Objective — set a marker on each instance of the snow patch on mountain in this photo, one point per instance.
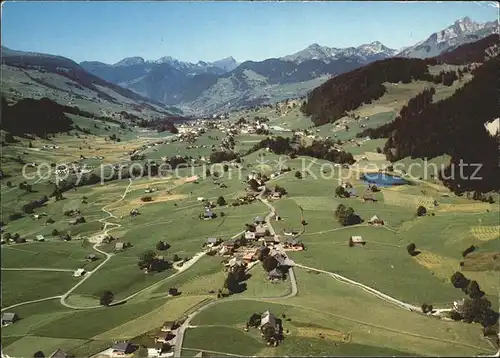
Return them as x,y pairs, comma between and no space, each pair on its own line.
461,32
365,53
130,61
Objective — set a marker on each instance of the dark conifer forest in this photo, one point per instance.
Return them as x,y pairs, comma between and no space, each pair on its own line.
453,126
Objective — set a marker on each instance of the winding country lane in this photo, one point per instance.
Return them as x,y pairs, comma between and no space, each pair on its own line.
186,324
95,247
63,297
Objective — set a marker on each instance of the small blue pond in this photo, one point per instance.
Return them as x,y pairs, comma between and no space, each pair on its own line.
382,179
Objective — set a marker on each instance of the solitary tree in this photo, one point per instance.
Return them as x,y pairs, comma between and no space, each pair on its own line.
468,250
106,298
411,248
269,263
147,259
298,175
221,201
172,291
421,211
38,354
254,185
254,320
340,191
231,283
160,246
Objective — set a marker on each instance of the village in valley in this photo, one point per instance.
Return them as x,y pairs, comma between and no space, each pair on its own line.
271,217
321,223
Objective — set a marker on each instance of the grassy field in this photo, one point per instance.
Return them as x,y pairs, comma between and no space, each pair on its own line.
352,321
170,311
336,309
61,326
21,286
54,254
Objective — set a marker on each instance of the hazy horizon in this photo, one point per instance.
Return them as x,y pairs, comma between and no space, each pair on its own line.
208,31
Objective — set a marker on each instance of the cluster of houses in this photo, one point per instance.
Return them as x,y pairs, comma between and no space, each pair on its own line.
50,147
282,108
248,198
293,245
283,263
74,168
257,238
368,195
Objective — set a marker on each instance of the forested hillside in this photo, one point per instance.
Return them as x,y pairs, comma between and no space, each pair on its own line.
346,92
471,52
453,126
330,101
456,126
70,69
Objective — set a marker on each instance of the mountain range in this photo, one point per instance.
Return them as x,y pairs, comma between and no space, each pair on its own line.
226,84
461,32
208,87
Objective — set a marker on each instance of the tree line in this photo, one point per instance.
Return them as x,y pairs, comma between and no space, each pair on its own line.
330,101
321,149
476,308
41,117
453,126
333,99
468,53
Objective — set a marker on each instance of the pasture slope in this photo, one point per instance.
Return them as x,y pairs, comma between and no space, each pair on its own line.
337,300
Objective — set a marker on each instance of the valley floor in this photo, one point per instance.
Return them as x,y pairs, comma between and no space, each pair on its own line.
336,300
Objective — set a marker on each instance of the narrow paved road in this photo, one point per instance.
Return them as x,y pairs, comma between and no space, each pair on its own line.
383,296
28,302
63,297
95,247
85,278
186,324
368,289
268,218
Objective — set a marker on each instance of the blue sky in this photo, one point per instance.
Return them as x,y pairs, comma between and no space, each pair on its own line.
191,31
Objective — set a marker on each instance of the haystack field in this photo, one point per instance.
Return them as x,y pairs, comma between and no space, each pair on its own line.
485,233
440,266
330,334
392,197
465,208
